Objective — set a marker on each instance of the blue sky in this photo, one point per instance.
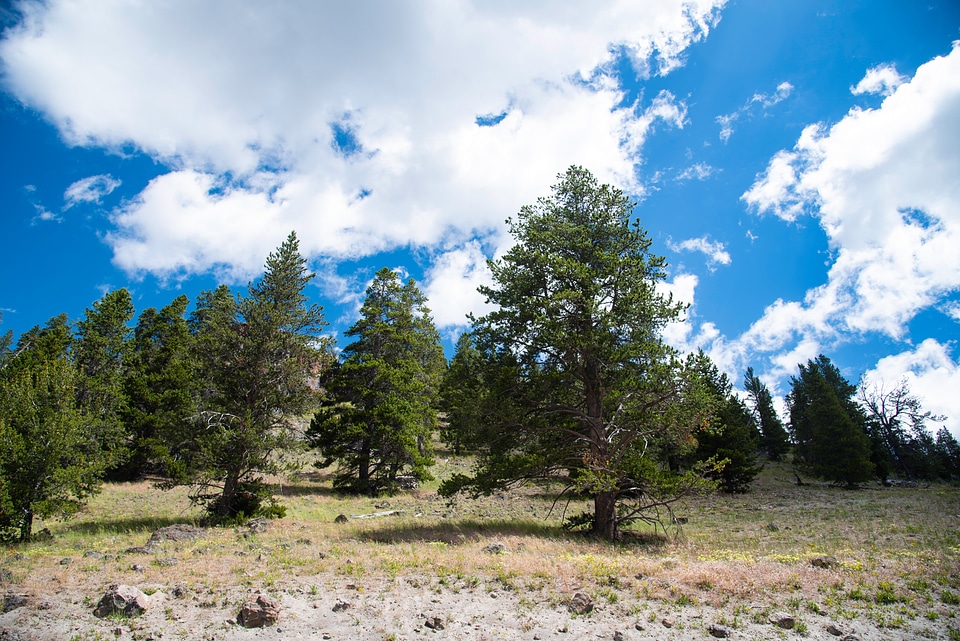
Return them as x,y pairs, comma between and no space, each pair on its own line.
797,162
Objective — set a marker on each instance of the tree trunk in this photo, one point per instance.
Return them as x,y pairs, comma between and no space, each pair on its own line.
227,497
26,528
363,469
605,513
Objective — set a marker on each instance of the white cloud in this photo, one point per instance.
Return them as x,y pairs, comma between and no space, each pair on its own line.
451,285
882,184
726,121
882,79
698,171
715,251
242,103
932,375
45,216
783,91
89,190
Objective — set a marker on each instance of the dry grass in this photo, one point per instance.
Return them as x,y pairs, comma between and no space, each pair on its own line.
898,549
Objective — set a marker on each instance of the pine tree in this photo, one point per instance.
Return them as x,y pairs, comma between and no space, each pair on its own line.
160,386
773,437
728,438
257,354
581,387
383,395
461,394
49,463
828,425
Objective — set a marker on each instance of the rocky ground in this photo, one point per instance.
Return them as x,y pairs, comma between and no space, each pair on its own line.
412,608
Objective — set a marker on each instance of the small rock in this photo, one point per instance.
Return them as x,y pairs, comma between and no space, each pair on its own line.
136,567
180,590
850,637
176,532
13,601
834,630
327,635
718,631
824,562
66,561
256,614
142,549
668,623
382,505
342,518
92,554
495,548
256,525
783,620
434,623
619,636
124,600
638,626
581,603
168,561
342,605
6,576
773,527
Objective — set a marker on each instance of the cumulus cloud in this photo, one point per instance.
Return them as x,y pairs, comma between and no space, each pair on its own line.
882,185
89,190
932,374
420,124
453,279
715,251
882,79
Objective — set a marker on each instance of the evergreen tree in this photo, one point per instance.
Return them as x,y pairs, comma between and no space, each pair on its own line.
581,388
257,354
461,393
729,437
948,456
828,425
160,387
49,463
773,437
382,406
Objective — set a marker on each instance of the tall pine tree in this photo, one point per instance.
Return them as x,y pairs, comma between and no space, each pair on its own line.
257,355
382,408
828,425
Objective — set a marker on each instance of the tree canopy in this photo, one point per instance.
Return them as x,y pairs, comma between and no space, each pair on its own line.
258,352
381,410
580,386
828,426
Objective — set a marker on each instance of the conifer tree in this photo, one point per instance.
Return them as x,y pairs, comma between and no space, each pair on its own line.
828,425
52,459
382,405
773,437
160,386
257,353
581,387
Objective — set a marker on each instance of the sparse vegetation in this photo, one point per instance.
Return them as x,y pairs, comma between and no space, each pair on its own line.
727,556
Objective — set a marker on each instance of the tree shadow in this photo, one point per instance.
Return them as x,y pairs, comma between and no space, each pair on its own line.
305,484
458,532
127,525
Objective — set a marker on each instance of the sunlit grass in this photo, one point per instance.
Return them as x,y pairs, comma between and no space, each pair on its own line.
896,549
